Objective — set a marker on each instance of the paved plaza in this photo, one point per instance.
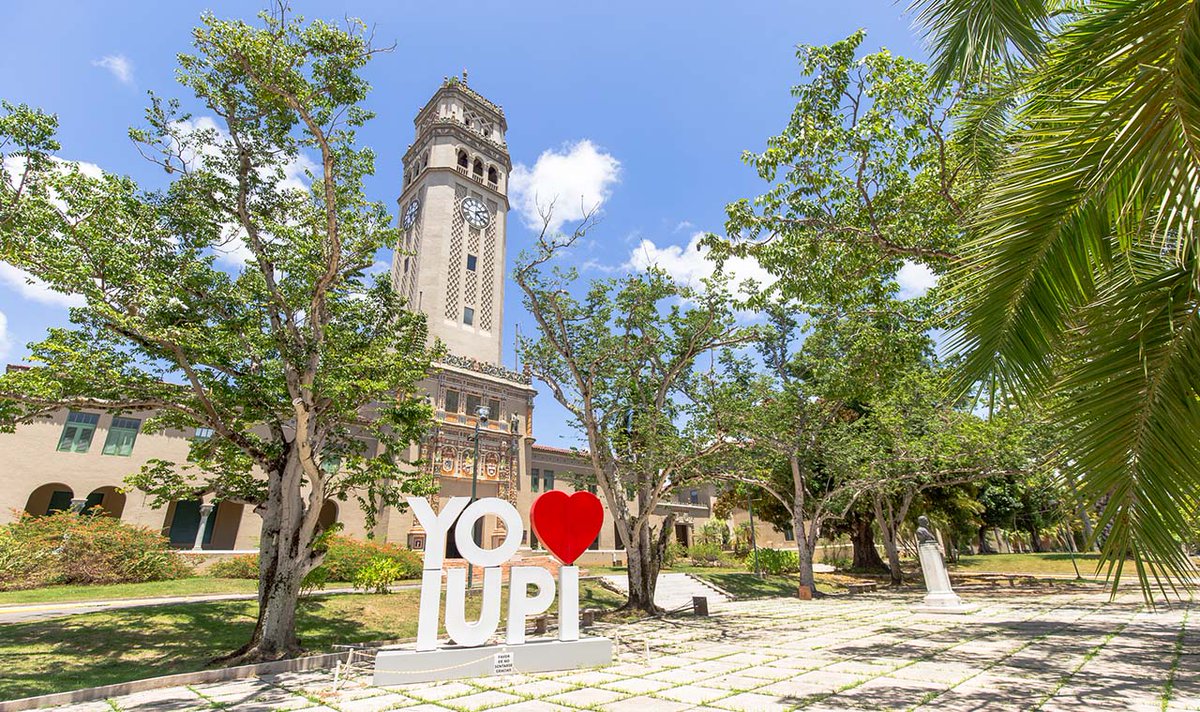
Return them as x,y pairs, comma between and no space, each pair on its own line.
1021,650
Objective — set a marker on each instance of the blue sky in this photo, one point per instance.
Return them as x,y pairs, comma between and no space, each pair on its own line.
646,106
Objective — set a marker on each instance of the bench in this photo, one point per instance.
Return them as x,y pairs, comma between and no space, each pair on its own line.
856,588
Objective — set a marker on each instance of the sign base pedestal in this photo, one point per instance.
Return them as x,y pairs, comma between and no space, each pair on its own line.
395,666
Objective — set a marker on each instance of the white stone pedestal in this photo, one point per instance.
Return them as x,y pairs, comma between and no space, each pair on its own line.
395,666
940,598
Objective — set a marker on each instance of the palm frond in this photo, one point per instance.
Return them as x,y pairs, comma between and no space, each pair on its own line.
968,38
1135,414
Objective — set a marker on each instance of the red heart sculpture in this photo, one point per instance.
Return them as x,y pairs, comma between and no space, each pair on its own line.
566,524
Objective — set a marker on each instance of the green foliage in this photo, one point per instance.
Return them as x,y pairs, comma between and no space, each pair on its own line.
1078,288
774,561
622,358
243,566
68,548
715,532
863,177
344,558
379,574
703,553
299,354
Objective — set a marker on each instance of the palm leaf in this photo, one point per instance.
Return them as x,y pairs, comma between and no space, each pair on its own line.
968,38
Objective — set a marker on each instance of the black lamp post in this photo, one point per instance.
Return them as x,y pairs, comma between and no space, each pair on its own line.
753,538
482,414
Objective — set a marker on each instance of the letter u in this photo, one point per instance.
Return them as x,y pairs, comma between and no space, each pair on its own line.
470,635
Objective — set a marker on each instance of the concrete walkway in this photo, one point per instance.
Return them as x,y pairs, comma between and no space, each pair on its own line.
1021,651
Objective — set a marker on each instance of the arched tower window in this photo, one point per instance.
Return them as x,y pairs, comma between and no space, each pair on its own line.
493,175
477,168
462,158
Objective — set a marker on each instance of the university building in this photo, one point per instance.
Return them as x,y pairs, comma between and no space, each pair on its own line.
452,265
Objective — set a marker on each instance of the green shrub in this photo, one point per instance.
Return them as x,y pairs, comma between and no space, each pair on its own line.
237,567
68,548
344,558
379,573
774,561
672,554
704,553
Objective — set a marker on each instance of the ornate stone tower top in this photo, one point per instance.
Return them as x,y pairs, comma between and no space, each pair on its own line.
453,211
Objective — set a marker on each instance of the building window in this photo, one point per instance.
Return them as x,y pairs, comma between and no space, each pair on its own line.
121,436
468,316
694,496
473,403
789,534
203,433
535,480
78,431
462,159
493,408
471,262
547,480
451,401
477,168
493,176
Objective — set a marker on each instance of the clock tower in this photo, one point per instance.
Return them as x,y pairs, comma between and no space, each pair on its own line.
451,260
450,265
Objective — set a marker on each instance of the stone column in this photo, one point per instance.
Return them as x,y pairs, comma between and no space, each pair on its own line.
206,511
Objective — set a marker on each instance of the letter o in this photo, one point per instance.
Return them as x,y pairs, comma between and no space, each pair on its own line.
466,524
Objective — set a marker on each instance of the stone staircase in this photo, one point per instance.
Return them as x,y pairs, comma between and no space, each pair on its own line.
674,590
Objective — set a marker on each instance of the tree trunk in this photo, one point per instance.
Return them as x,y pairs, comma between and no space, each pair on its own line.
983,543
644,557
862,538
285,558
1035,540
888,532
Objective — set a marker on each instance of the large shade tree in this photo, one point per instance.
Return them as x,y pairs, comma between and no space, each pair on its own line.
1082,271
625,359
303,366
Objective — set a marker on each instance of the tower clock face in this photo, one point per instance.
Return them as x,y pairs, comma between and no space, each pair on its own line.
410,215
476,212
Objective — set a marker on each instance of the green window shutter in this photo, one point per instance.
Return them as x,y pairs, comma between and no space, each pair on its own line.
534,481
60,501
78,431
121,436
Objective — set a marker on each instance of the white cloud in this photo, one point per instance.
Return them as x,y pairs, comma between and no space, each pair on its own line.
34,289
915,279
118,65
576,179
5,342
688,265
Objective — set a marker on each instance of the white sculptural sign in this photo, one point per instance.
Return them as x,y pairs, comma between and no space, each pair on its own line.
520,605
566,525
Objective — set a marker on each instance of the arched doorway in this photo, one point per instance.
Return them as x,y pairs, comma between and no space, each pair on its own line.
328,516
110,500
220,528
51,497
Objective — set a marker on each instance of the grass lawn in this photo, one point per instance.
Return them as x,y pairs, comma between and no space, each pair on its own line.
746,585
103,648
1054,563
197,585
